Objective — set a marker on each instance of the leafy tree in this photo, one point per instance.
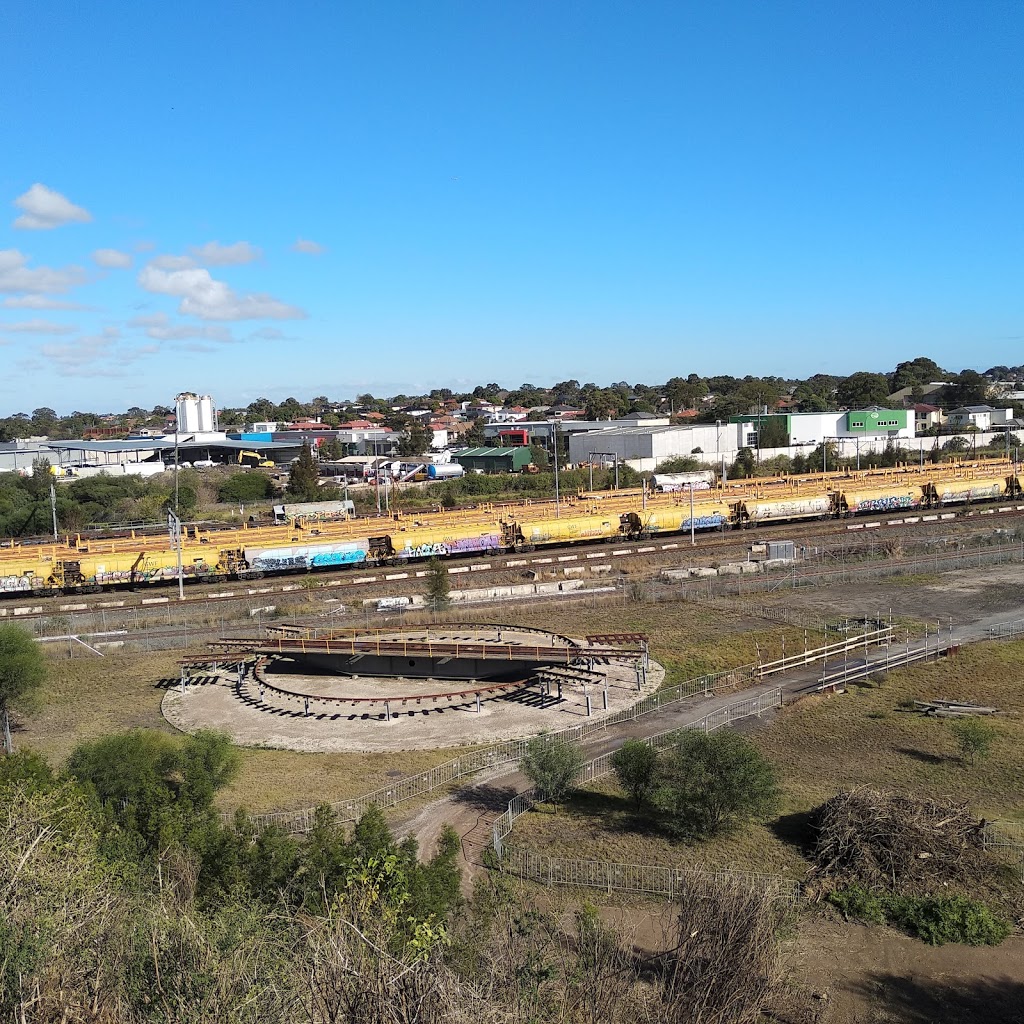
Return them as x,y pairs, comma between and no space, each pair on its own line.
246,487
636,764
552,765
304,478
773,433
967,388
862,389
921,370
974,738
707,783
539,456
417,439
475,437
157,788
22,673
438,585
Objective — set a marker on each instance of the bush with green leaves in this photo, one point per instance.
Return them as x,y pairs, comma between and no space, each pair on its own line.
708,783
934,919
552,764
246,487
636,766
22,673
974,738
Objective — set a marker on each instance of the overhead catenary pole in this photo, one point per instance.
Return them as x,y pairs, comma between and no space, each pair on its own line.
557,506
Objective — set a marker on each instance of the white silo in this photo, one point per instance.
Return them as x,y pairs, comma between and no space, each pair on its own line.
195,413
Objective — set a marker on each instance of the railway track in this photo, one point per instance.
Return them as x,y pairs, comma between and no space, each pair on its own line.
715,546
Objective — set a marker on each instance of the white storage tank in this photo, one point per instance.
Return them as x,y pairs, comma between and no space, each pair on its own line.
445,471
195,413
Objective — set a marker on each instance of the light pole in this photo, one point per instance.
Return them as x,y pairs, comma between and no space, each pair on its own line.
555,424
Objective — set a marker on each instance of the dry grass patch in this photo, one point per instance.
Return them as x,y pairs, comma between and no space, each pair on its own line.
272,780
601,823
864,738
85,698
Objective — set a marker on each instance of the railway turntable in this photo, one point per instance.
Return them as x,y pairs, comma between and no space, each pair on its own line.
434,686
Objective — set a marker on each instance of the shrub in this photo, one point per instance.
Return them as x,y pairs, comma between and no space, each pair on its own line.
973,737
707,783
941,919
246,487
856,903
552,765
636,764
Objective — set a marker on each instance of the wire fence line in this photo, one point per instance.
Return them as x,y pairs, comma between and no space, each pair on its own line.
710,588
653,879
1005,835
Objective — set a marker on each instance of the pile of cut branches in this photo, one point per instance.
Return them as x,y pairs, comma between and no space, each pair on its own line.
897,843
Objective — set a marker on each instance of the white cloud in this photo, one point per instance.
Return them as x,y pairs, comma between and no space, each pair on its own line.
169,262
269,334
44,209
216,255
209,299
114,259
94,355
160,327
307,246
38,327
39,302
15,276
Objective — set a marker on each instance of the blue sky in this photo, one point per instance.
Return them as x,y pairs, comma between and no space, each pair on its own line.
331,198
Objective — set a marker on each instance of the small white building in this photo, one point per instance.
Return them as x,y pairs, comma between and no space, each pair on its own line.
980,417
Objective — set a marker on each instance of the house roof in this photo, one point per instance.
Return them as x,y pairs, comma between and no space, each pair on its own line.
923,407
972,408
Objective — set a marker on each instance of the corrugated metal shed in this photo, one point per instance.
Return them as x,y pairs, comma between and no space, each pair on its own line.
494,460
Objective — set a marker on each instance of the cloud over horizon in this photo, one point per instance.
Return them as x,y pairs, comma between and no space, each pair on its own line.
112,259
160,327
38,327
209,299
16,276
216,255
43,209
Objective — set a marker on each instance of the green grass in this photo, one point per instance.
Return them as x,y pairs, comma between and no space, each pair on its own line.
819,746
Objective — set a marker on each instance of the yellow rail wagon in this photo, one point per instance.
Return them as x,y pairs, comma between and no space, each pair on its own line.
861,497
952,491
522,536
445,541
804,506
707,515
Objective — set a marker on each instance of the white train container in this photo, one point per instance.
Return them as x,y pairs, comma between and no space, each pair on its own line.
952,492
697,481
817,506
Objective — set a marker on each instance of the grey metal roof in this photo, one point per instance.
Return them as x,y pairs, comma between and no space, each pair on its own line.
165,444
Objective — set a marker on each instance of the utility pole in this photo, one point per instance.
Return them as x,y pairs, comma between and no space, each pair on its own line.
556,468
53,508
174,529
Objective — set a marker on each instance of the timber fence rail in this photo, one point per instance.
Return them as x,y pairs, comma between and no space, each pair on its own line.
647,878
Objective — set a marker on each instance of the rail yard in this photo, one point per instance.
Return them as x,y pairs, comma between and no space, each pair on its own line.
308,544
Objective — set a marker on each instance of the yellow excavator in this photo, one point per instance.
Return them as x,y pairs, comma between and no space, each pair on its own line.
256,460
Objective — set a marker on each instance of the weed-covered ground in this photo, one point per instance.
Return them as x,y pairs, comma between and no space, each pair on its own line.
867,736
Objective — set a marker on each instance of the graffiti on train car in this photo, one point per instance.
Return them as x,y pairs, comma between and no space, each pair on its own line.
888,503
10,584
711,522
325,558
459,546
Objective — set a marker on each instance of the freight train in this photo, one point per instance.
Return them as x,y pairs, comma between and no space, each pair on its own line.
47,569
